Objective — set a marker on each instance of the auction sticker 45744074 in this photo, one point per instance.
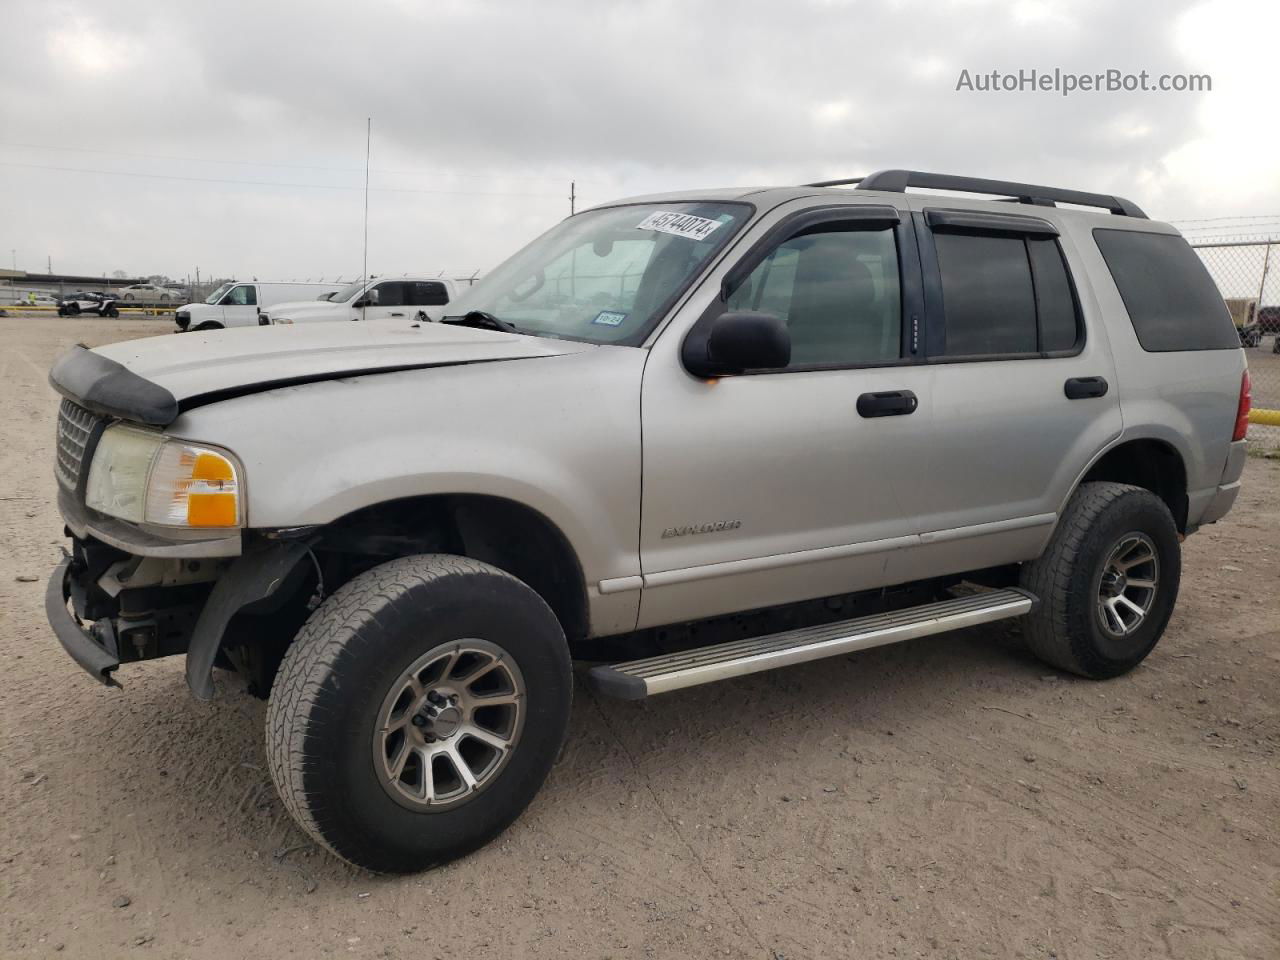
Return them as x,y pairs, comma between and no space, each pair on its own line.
679,224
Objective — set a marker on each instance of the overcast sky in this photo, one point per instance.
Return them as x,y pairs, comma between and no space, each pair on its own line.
235,131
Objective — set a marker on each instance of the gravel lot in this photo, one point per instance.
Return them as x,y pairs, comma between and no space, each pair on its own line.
948,797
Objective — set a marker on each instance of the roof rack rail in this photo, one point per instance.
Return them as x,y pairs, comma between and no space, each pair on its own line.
897,181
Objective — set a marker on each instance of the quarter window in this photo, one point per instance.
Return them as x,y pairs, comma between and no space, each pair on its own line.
1171,299
837,288
1005,295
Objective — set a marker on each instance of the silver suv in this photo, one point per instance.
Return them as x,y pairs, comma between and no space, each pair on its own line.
703,434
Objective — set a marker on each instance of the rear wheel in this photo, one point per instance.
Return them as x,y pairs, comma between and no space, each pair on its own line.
419,711
1107,581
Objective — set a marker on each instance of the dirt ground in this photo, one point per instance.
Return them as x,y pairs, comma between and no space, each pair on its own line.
948,797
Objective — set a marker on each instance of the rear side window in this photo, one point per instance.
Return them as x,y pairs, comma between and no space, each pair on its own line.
987,294
1172,301
430,294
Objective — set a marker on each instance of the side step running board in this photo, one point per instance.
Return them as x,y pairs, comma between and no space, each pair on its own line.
689,668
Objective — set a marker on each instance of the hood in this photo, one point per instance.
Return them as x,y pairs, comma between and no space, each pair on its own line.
192,369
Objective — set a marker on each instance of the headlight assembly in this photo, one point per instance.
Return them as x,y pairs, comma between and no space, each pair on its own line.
144,477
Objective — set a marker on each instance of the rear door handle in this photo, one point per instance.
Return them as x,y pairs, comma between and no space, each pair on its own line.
888,403
1078,388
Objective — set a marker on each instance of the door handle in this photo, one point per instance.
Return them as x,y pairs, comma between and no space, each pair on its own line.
888,403
1078,388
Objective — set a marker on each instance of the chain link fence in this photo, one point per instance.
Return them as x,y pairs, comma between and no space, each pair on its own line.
1248,275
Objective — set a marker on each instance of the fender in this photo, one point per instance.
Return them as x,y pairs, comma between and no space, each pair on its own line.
253,577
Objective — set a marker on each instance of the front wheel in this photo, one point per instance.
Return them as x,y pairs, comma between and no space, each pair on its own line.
1107,581
418,711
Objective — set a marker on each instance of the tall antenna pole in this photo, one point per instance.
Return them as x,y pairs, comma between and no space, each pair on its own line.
573,196
368,141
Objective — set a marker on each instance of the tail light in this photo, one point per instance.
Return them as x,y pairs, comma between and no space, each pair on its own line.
1242,411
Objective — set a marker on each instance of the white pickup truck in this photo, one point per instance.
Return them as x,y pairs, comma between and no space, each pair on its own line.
415,298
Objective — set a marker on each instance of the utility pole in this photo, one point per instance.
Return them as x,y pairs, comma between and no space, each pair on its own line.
51,265
15,260
368,142
573,196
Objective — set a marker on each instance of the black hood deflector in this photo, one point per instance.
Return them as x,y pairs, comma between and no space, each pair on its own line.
111,389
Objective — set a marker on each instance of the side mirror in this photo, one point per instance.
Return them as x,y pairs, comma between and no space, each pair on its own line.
736,342
370,299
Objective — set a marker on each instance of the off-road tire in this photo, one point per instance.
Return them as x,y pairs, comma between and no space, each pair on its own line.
1066,629
331,686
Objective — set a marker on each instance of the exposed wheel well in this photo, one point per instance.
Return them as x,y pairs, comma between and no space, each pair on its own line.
507,534
209,325
1152,465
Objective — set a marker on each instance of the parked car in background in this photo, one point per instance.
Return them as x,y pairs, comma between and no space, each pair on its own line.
148,293
417,298
101,304
236,303
1269,319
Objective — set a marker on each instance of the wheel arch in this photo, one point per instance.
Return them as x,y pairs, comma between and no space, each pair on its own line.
1149,462
275,586
509,534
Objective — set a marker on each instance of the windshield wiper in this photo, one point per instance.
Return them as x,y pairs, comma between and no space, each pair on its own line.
482,320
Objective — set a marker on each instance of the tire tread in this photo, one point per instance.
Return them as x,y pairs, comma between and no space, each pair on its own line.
332,633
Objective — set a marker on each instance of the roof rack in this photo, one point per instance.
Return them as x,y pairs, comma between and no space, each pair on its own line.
897,181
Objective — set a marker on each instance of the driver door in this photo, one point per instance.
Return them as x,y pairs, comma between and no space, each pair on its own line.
778,486
391,301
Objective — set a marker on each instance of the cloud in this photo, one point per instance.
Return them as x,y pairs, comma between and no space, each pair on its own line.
484,111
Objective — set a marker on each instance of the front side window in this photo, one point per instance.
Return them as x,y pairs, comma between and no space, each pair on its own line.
390,294
242,296
607,275
837,288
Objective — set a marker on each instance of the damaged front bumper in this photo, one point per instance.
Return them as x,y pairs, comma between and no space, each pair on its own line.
95,650
108,606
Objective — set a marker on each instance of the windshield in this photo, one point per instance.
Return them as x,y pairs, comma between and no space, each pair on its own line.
607,275
347,292
217,294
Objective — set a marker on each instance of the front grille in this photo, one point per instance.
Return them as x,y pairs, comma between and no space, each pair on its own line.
183,318
75,429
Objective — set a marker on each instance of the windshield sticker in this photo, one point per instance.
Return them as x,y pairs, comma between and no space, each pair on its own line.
679,225
608,318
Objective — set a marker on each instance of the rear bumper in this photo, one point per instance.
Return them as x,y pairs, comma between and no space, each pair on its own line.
1221,504
1218,503
81,645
